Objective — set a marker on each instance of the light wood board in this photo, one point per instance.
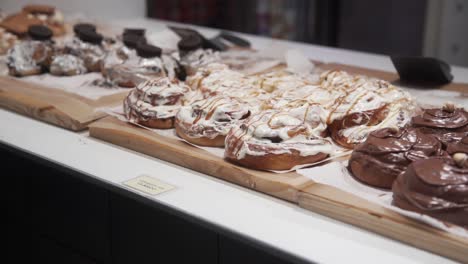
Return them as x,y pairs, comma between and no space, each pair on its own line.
292,187
53,106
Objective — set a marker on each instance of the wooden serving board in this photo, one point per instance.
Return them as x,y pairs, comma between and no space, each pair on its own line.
53,106
291,186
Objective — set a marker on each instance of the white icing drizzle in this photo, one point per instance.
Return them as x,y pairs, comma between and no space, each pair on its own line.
157,99
280,132
27,56
67,64
212,116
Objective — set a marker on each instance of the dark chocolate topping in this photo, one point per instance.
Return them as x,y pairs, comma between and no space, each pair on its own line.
90,36
134,31
77,28
131,41
147,50
190,42
387,152
436,183
458,147
442,118
40,32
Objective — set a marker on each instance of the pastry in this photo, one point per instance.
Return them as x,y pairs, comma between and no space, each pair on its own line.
143,65
437,187
387,152
192,55
206,122
35,15
7,40
458,146
362,105
87,45
279,140
154,103
449,124
31,57
67,65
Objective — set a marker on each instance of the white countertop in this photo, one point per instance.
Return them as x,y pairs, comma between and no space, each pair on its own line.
260,217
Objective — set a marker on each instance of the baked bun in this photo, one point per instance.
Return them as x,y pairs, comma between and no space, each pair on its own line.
437,187
155,103
279,140
460,146
387,152
448,123
67,65
206,122
29,58
362,105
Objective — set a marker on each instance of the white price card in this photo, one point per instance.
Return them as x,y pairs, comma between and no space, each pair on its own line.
148,185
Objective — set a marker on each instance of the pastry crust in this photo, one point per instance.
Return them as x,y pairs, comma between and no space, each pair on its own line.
217,141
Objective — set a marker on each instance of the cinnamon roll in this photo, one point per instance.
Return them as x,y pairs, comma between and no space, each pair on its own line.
363,105
155,103
279,140
206,122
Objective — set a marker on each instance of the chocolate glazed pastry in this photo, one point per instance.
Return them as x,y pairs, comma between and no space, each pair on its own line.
449,124
387,152
437,187
458,147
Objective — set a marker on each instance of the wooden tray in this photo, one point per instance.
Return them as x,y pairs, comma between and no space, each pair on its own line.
292,187
53,106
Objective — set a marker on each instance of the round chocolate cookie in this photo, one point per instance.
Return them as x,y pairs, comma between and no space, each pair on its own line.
90,37
437,187
190,42
447,119
147,50
131,41
134,31
387,152
40,32
80,27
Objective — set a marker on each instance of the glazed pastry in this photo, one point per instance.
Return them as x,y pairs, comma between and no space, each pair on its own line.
362,105
460,146
67,65
35,15
31,57
206,122
155,103
279,140
87,46
217,78
437,187
143,66
7,41
387,152
448,123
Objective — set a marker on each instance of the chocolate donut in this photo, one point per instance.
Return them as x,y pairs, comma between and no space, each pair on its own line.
155,103
437,187
279,140
387,152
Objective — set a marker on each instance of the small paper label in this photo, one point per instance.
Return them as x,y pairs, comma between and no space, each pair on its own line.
148,185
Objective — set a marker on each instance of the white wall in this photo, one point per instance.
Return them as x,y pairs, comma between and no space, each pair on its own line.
105,9
445,35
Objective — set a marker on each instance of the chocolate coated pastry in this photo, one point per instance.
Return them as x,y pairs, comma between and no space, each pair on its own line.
458,147
437,187
387,152
445,119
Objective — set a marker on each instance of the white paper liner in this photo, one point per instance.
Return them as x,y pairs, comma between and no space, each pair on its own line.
336,174
79,84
